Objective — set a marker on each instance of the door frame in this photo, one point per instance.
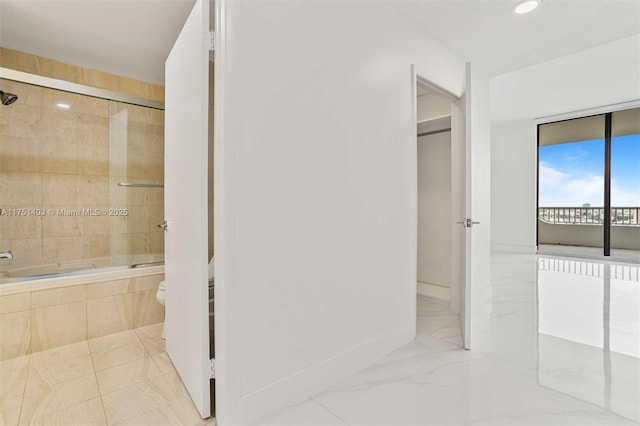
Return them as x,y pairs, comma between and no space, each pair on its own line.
459,291
226,224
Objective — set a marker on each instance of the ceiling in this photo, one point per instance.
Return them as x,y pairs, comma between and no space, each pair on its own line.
124,37
133,37
487,32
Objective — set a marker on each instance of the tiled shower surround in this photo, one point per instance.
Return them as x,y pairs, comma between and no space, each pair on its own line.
37,320
66,152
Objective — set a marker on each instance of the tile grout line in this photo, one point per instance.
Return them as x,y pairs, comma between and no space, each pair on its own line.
147,355
31,361
329,410
24,389
95,375
449,324
86,325
119,363
31,321
460,329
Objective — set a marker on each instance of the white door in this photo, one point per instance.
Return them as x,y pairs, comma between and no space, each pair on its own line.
460,200
471,198
186,150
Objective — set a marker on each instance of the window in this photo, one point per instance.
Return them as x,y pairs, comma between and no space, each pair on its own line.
589,182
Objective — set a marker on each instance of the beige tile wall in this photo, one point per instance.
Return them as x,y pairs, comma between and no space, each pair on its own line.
42,153
49,68
45,319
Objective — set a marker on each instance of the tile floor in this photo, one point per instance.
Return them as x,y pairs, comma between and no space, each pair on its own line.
556,342
436,320
120,379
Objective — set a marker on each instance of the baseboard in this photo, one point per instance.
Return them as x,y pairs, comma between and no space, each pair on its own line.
434,291
302,385
513,248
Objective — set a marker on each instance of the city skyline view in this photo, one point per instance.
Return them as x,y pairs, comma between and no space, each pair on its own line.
572,174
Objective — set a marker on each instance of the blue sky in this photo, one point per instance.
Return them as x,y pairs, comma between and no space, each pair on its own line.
572,174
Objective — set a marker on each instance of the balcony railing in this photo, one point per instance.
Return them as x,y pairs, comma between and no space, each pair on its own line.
624,216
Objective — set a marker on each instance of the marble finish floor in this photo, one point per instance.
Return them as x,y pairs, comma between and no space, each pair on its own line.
436,320
120,379
556,342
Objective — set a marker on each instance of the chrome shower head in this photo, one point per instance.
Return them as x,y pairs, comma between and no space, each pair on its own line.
8,98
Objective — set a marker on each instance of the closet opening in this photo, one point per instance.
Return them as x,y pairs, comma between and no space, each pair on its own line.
438,263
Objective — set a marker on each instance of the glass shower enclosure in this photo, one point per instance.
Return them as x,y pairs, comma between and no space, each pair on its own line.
81,178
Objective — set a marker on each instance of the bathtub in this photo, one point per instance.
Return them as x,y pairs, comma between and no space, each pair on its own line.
48,306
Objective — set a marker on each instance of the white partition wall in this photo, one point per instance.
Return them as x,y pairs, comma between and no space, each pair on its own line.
315,208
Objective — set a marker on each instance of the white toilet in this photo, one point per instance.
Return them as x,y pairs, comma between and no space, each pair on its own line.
161,293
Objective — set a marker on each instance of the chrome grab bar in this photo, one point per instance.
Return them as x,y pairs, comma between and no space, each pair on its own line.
141,185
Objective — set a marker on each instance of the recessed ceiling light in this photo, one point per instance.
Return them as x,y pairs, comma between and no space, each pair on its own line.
526,6
63,106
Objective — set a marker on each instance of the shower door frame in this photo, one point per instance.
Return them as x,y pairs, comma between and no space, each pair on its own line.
80,89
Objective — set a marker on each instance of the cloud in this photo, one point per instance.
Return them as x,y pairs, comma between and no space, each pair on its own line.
623,198
560,189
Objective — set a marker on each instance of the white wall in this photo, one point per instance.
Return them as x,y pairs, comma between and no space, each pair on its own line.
316,196
434,212
600,76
